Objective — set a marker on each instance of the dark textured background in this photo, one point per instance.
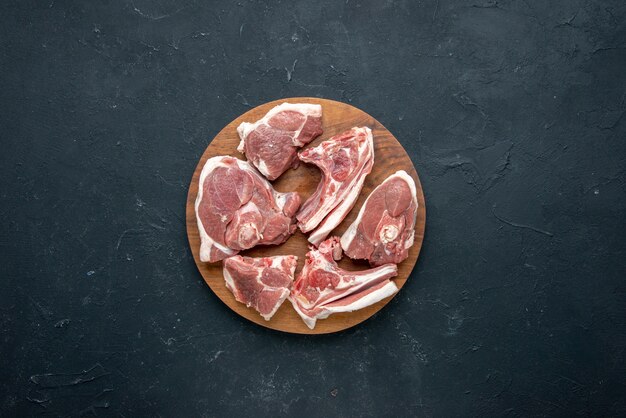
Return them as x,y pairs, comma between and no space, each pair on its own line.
512,111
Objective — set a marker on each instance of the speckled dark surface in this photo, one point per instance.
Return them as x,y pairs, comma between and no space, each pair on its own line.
513,113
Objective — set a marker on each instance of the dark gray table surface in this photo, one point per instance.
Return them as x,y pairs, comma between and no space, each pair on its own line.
512,111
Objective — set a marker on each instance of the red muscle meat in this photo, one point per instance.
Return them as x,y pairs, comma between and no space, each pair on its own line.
260,283
384,229
271,142
344,160
323,288
236,209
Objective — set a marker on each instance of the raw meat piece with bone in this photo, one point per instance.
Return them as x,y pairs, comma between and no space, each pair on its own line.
384,229
323,288
344,160
236,209
260,283
271,142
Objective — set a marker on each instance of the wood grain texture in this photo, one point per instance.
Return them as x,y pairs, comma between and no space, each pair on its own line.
389,156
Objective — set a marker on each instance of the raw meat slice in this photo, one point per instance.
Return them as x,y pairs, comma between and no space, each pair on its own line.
323,288
261,283
271,142
236,209
345,160
384,230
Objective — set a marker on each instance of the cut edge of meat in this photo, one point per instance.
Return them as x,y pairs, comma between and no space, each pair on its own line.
286,203
372,295
335,214
365,281
230,285
348,236
206,242
361,288
282,299
244,129
276,261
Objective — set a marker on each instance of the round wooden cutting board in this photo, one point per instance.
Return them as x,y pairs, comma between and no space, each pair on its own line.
389,157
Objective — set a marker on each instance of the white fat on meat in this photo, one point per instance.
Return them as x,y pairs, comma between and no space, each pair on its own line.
207,244
345,160
340,211
271,142
384,229
368,297
323,288
239,210
262,167
260,283
312,110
